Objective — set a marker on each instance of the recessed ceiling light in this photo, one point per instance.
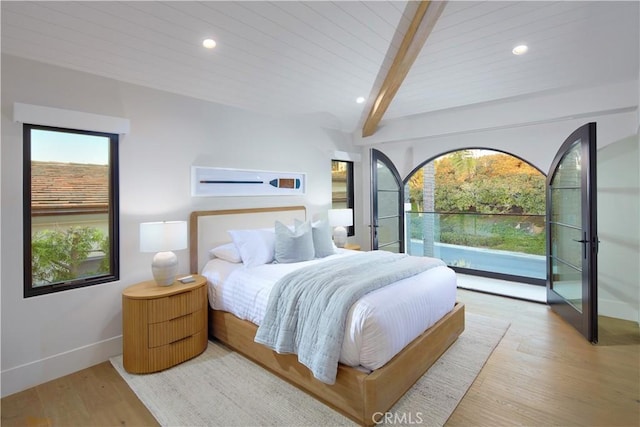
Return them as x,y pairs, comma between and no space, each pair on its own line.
360,99
209,43
520,49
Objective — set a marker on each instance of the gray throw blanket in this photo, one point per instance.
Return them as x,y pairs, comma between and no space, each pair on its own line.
307,309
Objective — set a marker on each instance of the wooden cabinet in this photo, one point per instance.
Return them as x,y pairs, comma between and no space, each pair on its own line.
163,325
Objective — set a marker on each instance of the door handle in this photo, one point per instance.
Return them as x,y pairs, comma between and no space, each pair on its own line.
584,246
374,235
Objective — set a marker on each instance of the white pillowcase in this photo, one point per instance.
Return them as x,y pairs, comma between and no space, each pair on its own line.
227,252
256,246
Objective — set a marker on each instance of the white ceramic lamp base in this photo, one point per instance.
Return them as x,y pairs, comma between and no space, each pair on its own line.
164,268
340,236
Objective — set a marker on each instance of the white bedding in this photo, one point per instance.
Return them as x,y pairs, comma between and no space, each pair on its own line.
379,325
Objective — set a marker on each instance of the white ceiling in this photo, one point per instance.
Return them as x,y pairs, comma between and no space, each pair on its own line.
313,58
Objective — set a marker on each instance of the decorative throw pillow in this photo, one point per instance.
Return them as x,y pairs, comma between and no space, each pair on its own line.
322,241
227,252
293,246
256,246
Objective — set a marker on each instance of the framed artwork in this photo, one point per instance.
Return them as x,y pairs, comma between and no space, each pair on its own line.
212,182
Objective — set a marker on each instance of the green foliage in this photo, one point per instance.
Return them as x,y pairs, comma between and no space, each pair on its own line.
494,201
496,183
519,233
511,233
58,255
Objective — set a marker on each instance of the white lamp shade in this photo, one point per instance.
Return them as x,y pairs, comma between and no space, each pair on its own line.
163,236
341,217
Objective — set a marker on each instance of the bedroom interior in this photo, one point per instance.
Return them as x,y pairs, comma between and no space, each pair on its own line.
357,394
236,107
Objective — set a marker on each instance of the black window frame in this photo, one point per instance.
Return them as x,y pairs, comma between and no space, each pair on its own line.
113,215
350,197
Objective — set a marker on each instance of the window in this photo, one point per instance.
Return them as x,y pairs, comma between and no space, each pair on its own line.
342,193
70,209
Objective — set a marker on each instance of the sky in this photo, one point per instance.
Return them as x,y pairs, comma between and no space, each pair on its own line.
69,147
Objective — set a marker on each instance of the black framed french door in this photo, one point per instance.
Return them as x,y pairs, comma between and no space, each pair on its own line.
387,202
572,240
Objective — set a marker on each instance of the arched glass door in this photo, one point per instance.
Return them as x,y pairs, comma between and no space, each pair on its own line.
572,232
387,213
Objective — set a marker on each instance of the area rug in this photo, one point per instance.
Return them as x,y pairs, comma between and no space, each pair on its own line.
222,388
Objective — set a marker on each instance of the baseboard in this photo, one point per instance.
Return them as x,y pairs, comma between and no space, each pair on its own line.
31,374
618,310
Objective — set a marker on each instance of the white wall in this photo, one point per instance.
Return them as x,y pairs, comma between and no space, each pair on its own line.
49,336
619,229
533,129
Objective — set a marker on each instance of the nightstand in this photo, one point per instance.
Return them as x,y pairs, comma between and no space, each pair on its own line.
163,325
352,246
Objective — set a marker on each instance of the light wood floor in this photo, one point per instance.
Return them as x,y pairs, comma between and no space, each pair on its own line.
542,373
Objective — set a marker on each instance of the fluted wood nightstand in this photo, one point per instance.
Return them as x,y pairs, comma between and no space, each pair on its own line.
163,325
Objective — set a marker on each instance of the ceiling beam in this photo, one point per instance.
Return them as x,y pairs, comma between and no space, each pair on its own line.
424,19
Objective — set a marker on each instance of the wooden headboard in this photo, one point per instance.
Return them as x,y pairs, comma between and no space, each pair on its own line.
208,229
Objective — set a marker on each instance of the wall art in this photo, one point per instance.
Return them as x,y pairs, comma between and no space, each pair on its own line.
211,182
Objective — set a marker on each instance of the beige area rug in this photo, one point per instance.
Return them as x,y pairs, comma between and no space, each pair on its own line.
222,388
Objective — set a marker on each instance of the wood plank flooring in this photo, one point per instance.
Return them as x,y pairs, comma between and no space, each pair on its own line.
96,396
542,373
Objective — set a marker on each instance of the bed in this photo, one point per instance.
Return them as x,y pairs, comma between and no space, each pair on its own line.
361,394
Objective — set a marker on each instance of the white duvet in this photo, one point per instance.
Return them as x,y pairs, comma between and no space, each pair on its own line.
379,325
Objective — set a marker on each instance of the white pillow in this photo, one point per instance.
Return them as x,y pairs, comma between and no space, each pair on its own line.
227,252
256,246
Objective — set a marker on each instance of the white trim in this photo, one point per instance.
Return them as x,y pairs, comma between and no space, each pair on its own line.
30,374
48,116
618,309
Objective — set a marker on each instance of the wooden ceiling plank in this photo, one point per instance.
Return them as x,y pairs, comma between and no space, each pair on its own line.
424,19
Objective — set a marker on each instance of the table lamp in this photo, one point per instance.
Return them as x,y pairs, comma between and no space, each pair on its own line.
339,219
163,237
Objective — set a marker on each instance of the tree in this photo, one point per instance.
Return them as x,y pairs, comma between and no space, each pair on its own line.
57,255
495,183
465,164
487,186
416,184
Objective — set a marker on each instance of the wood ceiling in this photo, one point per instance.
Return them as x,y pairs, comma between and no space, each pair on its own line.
311,59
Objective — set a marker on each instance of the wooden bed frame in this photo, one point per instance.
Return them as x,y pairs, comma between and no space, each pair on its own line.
363,397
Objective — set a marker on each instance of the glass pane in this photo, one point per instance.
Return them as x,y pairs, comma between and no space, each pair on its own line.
565,206
339,191
388,230
388,204
566,228
386,180
505,244
391,247
568,174
70,219
565,245
342,187
567,281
